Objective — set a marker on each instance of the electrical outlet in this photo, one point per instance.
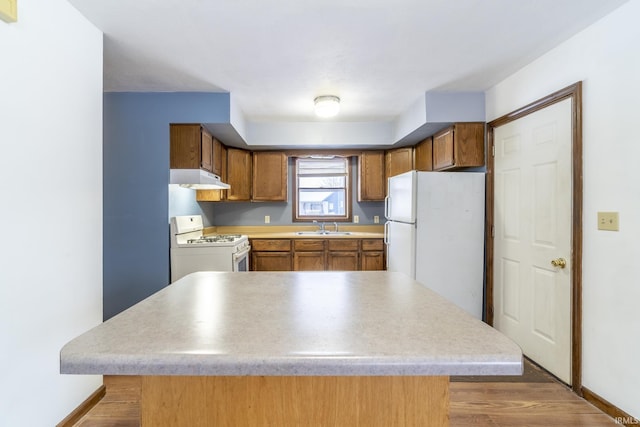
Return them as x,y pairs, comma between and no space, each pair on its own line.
356,219
376,219
608,221
267,219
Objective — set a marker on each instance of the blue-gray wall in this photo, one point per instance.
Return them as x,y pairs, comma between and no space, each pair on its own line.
136,178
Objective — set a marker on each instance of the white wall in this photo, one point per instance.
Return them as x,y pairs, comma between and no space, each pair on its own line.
606,58
51,215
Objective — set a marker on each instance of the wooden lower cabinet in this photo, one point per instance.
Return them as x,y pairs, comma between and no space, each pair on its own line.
372,255
271,261
317,254
271,255
308,261
342,261
308,255
342,255
372,261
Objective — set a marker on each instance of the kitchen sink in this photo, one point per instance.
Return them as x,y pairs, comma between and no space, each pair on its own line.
323,233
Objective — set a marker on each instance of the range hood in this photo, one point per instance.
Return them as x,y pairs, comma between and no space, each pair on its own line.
196,179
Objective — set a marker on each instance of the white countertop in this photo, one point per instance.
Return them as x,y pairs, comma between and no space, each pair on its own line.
293,323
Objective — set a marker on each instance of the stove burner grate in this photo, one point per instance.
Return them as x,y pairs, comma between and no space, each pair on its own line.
220,238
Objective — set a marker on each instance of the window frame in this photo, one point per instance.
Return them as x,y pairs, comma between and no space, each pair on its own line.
296,217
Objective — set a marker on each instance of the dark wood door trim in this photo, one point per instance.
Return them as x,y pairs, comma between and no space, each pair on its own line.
573,92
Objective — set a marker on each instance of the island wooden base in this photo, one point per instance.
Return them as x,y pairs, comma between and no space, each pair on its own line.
293,401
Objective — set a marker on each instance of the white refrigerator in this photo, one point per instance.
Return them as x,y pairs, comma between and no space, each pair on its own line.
435,233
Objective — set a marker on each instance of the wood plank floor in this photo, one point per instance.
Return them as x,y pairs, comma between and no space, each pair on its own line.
536,399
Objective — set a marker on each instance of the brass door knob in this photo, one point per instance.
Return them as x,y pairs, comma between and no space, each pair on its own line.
559,262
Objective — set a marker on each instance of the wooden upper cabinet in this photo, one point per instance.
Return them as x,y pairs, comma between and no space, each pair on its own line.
399,160
459,146
191,147
238,174
218,160
423,155
372,182
269,176
216,195
206,162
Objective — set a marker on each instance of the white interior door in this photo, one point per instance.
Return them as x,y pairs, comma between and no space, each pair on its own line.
532,208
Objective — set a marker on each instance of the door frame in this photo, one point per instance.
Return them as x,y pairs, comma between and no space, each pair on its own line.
574,93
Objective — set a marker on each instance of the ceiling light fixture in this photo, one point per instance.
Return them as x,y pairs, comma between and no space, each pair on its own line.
327,105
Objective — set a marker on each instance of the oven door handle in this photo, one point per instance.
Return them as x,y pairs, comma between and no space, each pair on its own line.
240,254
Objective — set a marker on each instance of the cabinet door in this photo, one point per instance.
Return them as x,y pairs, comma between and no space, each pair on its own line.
206,162
423,155
308,261
185,146
468,144
342,261
372,260
216,195
217,158
238,174
399,161
269,176
461,145
443,149
271,261
371,168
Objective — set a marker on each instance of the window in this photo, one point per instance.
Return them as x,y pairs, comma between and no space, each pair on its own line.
322,189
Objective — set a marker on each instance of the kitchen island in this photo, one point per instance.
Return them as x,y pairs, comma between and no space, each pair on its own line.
293,348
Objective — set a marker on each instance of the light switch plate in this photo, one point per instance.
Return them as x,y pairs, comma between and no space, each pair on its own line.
9,10
267,219
608,221
356,219
376,219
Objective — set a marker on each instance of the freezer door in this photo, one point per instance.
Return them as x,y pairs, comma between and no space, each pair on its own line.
401,244
400,204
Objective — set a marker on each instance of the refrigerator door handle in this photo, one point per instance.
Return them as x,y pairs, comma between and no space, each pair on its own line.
386,233
386,206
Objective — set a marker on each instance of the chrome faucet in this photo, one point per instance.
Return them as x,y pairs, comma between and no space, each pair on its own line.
335,224
319,224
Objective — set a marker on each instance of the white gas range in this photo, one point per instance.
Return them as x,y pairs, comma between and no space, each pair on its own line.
191,251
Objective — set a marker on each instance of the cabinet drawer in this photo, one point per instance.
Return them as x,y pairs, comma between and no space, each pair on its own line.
271,245
308,245
343,244
372,244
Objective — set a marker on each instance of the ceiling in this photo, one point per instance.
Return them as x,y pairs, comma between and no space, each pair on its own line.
378,56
